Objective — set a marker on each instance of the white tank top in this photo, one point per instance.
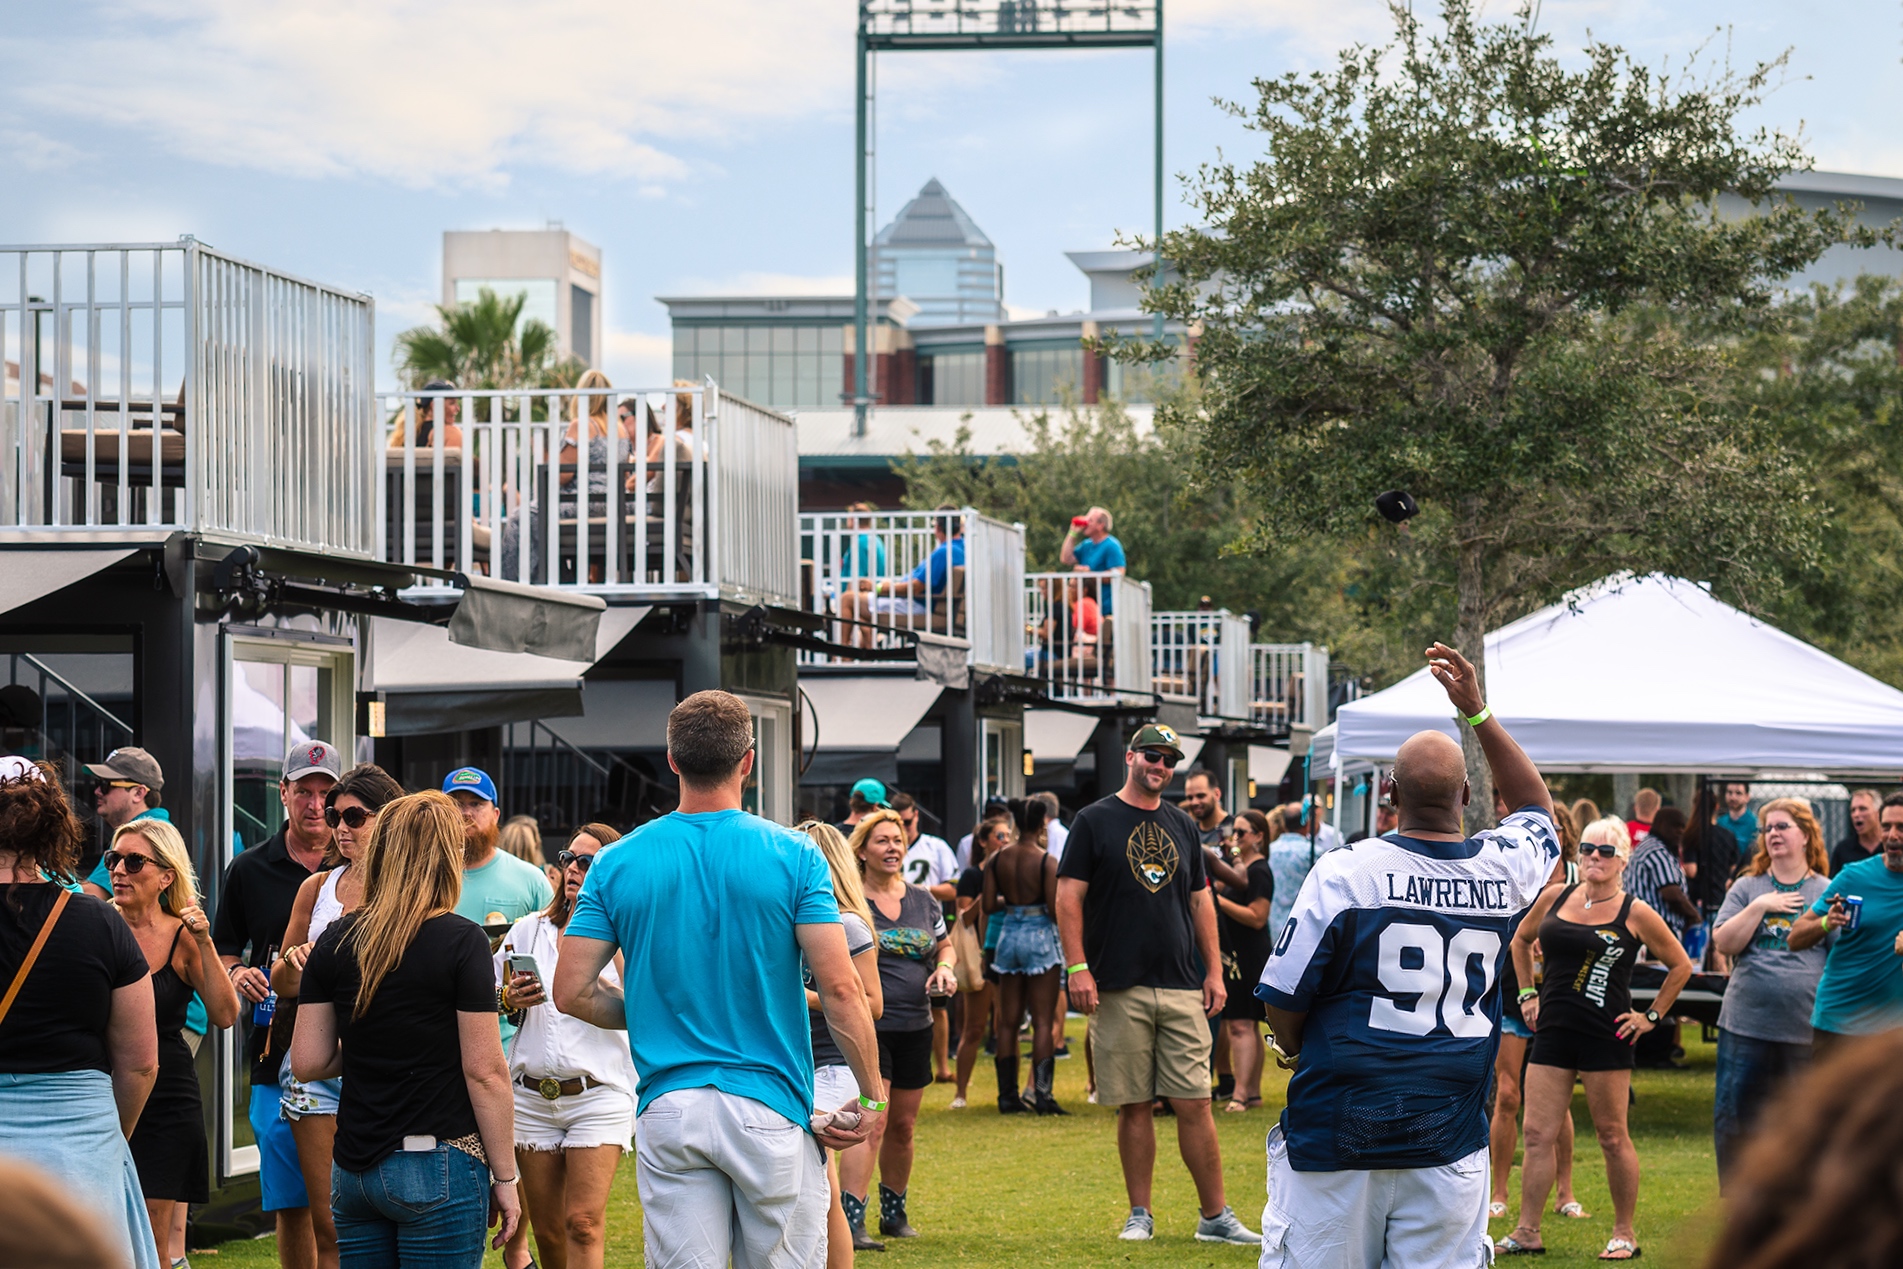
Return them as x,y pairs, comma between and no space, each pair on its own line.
326,908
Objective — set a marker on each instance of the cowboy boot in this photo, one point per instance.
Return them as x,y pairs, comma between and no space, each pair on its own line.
855,1208
1009,1103
1041,1100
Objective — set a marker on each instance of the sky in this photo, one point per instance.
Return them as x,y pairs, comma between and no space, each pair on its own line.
707,147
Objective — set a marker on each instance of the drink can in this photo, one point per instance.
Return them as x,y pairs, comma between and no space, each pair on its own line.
1853,904
264,1010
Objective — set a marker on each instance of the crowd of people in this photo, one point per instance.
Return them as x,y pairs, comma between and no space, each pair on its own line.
451,1034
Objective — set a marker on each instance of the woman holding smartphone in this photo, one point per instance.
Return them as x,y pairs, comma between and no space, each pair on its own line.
915,964
573,1082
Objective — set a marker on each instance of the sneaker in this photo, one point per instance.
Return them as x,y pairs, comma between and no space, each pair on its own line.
957,1103
1224,1227
1141,1227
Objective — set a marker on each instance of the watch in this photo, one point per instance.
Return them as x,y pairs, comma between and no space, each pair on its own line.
1652,1016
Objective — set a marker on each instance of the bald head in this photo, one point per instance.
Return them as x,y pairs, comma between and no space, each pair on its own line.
1430,779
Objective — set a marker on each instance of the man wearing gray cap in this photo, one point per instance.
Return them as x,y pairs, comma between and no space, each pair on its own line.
254,906
128,789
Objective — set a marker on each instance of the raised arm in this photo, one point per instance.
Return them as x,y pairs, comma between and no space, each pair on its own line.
1514,774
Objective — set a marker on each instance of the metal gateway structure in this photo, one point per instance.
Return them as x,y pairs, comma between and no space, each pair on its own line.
898,26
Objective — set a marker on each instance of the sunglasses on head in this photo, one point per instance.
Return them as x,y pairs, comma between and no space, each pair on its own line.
581,862
1161,757
131,863
355,817
1604,849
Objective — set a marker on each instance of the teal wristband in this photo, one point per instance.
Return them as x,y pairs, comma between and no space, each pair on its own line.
1486,712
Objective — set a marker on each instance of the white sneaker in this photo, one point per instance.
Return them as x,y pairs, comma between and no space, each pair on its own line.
1141,1227
957,1103
1225,1227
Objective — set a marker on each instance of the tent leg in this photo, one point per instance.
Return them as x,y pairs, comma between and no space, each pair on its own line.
1336,817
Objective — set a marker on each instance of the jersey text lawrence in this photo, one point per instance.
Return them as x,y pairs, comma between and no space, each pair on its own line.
1393,951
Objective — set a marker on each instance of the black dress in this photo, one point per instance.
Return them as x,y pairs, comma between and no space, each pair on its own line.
168,1145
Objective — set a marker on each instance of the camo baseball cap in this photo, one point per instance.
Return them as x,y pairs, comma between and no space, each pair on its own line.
1157,736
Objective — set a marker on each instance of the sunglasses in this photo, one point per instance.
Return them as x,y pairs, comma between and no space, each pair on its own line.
580,861
354,817
1605,850
1160,757
132,864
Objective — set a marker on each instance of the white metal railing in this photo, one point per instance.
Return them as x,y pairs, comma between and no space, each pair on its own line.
1088,635
1202,657
169,386
673,491
1289,686
887,578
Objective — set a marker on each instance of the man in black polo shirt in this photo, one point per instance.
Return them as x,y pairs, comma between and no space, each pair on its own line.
254,906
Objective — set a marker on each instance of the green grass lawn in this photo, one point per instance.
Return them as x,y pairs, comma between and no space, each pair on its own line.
988,1190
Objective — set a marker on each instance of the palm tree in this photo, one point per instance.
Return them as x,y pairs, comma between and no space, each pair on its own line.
479,347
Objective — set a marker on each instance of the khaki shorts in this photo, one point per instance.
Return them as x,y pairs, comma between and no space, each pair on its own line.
1149,1042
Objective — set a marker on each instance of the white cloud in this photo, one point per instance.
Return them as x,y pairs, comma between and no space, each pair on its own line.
637,359
433,93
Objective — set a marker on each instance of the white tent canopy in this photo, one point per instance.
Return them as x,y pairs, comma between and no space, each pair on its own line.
1653,674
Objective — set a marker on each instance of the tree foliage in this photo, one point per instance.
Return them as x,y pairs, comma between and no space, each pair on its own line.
1460,268
478,346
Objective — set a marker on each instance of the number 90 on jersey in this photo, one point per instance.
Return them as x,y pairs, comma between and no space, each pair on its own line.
1429,980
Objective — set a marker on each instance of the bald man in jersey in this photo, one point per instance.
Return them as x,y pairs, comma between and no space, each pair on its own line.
1390,964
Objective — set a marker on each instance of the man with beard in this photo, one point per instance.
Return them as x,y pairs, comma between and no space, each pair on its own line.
498,888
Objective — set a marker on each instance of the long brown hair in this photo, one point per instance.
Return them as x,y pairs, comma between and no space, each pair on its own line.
370,785
1814,853
559,908
1568,832
412,871
1260,823
37,825
1819,1184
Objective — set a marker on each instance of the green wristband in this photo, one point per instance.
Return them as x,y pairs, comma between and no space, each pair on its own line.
869,1104
1527,993
1079,968
1486,712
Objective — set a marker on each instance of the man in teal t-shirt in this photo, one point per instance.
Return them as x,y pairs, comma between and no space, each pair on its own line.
498,888
1862,988
714,909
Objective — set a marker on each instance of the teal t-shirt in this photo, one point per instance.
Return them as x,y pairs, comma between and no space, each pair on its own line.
1862,987
501,892
704,907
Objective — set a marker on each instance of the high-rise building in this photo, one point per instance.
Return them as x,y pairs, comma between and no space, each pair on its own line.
557,272
935,255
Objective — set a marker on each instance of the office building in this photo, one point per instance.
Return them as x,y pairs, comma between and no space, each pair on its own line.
935,255
557,272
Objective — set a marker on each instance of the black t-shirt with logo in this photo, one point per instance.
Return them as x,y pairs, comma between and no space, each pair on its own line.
1143,868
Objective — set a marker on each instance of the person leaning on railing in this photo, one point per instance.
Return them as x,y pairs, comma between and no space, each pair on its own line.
923,590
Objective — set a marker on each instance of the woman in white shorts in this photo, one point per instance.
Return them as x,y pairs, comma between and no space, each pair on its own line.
574,1082
833,1083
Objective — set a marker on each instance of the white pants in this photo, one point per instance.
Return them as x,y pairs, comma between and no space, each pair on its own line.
1400,1218
725,1178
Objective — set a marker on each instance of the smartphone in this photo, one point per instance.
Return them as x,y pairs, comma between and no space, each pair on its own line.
523,963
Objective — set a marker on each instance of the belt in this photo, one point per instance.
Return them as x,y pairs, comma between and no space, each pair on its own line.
552,1088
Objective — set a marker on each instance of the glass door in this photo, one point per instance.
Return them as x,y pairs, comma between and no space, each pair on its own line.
1002,760
278,692
770,792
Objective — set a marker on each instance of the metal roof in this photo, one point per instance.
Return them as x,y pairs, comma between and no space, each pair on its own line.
932,219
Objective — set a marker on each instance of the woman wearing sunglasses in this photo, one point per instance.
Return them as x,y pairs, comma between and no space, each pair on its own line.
156,892
573,1081
1584,1025
351,807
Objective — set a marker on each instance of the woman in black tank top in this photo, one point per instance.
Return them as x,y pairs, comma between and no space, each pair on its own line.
1584,1024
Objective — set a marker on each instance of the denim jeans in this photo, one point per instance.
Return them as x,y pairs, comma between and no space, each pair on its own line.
1750,1072
421,1209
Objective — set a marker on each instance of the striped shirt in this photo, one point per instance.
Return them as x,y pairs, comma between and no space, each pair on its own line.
1654,866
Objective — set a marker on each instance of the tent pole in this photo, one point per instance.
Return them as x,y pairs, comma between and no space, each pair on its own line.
1336,817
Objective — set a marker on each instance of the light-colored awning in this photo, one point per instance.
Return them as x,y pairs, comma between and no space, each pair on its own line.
1056,735
866,712
510,617
1266,764
27,575
1192,746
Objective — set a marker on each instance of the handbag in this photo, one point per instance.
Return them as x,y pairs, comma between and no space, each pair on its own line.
969,969
33,953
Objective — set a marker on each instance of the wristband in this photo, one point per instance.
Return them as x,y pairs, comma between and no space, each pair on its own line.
1527,993
869,1104
945,964
1081,967
496,1180
1486,712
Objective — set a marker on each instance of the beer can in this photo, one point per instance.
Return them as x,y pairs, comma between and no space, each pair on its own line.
1853,904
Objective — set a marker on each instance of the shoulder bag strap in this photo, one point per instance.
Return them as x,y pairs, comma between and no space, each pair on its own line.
33,953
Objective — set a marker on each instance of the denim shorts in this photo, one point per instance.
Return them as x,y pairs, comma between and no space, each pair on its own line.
1514,1027
297,1099
1027,942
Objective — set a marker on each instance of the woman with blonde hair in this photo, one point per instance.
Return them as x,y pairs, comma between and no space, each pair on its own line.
1764,1025
156,892
833,1084
607,447
399,998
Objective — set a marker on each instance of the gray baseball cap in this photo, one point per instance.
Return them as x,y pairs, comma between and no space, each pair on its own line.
132,764
312,757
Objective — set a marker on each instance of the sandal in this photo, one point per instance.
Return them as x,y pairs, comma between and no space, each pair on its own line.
1620,1244
1236,1106
1574,1210
1508,1247
1495,1210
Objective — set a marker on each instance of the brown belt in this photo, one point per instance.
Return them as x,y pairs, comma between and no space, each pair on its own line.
552,1088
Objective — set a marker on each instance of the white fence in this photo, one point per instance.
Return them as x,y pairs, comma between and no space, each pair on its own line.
1089,636
1202,658
679,490
886,578
1289,686
170,386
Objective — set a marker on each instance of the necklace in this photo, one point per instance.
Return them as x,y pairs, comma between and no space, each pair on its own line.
1604,898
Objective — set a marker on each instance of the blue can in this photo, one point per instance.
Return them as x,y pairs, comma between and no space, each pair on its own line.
264,1010
1853,905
